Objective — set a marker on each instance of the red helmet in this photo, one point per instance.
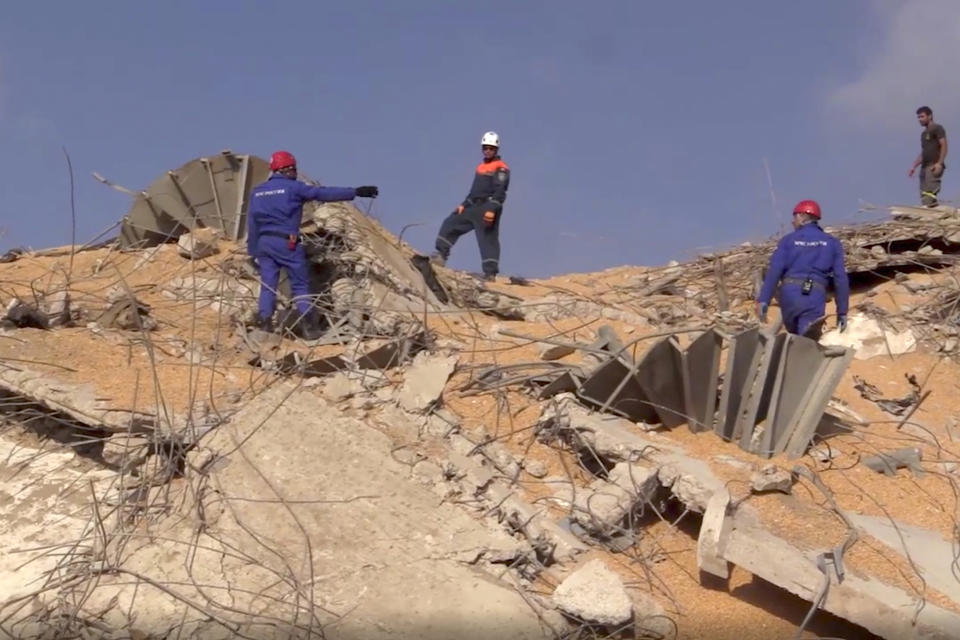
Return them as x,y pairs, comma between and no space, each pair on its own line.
282,160
810,207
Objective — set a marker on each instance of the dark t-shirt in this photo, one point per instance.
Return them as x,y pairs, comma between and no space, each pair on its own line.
930,143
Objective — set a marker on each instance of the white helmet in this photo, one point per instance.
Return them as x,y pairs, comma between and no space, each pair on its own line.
490,139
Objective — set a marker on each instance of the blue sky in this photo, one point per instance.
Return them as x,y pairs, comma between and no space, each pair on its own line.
637,131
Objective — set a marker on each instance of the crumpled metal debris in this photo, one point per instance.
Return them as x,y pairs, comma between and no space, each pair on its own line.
22,315
893,406
12,255
128,314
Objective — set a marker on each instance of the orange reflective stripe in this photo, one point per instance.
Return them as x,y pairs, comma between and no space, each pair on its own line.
487,168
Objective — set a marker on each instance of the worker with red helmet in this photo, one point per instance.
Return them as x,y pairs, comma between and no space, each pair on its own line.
803,264
273,236
480,211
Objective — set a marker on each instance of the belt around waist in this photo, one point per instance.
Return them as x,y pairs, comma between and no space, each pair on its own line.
800,281
278,234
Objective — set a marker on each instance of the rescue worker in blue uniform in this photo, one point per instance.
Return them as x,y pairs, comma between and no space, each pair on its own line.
803,264
480,211
273,237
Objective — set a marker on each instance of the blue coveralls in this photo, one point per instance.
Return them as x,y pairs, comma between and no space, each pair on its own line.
808,252
276,208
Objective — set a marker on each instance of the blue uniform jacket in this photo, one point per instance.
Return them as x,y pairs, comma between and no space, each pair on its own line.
277,206
808,252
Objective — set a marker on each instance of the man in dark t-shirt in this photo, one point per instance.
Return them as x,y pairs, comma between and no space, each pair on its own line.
933,153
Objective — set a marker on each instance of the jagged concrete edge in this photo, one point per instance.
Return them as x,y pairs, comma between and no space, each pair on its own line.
35,387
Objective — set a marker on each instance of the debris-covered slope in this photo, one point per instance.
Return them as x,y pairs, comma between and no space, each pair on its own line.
577,456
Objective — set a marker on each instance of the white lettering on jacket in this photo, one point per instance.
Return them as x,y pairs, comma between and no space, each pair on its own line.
271,192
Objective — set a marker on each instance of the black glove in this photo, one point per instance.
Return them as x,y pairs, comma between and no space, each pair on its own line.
367,192
253,264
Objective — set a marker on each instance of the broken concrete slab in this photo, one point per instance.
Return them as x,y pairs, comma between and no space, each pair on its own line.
868,339
700,366
602,506
552,542
370,513
659,373
199,244
882,609
689,479
927,550
594,593
77,401
596,433
425,379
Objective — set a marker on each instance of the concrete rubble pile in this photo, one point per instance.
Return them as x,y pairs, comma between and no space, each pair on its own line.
340,494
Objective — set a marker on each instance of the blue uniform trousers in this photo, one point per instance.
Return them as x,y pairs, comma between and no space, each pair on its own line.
800,311
274,253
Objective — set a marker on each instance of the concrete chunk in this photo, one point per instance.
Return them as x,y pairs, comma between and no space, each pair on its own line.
594,593
771,478
198,244
553,351
425,380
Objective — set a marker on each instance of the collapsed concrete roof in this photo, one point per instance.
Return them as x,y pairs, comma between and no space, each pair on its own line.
295,487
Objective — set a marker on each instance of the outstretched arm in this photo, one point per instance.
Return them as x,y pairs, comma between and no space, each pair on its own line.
778,265
326,194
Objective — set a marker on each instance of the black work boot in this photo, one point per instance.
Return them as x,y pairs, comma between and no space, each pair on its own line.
265,324
438,259
310,328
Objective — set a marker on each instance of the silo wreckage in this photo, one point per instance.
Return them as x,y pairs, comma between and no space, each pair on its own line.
209,192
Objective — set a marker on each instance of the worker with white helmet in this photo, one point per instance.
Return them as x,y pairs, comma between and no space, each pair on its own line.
480,211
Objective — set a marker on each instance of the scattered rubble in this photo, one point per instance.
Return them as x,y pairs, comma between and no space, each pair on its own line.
199,244
492,463
868,339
